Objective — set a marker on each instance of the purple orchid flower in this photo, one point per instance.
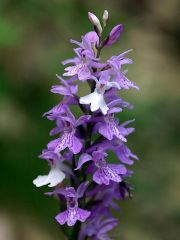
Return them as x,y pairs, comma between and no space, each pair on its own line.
116,62
109,127
56,112
67,89
73,212
123,153
68,125
105,172
98,227
118,76
106,194
85,60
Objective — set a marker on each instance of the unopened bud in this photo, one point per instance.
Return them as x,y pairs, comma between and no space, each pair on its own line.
105,17
113,35
96,23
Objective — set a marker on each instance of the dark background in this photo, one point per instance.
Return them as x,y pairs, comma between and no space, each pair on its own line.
34,39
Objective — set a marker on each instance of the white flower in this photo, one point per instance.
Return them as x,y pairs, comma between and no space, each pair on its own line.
54,177
96,99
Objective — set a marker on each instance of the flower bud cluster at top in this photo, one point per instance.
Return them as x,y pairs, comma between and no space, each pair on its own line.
85,180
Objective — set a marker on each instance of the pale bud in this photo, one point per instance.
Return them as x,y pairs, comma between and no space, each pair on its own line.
96,23
105,17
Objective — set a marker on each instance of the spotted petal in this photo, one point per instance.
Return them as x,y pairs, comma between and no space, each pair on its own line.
61,218
104,175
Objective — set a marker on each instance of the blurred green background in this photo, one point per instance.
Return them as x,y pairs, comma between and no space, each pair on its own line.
34,39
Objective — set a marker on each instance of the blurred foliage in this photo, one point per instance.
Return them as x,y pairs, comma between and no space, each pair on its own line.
34,37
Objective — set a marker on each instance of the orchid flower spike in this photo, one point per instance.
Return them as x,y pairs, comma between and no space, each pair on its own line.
87,127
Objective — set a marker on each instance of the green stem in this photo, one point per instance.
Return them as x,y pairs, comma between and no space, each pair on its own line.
76,231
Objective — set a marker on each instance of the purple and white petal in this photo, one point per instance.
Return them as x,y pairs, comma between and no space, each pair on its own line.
118,168
75,145
82,215
104,175
61,218
84,73
72,217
